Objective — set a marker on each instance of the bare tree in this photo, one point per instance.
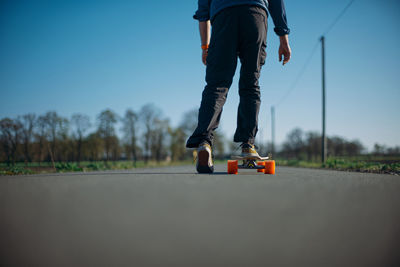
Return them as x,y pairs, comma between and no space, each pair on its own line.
188,125
41,136
94,146
393,151
10,137
379,150
130,124
115,148
57,129
148,114
81,123
219,145
106,121
28,124
189,121
313,146
294,144
354,148
158,138
177,143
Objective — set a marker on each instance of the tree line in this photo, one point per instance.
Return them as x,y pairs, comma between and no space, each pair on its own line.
144,135
307,146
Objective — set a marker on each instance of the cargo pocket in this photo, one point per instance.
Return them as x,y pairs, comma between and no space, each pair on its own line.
263,53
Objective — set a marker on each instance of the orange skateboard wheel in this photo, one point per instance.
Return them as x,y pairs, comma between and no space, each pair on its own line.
269,167
233,166
261,163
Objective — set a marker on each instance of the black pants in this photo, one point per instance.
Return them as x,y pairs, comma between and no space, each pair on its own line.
238,31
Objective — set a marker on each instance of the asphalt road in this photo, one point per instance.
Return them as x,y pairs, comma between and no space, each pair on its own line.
174,217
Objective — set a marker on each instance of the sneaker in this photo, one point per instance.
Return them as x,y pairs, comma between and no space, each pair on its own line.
249,150
204,158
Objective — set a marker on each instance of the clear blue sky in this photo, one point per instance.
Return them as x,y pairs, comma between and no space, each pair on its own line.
85,56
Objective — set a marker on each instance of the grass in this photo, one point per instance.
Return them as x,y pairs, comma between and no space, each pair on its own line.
60,167
360,164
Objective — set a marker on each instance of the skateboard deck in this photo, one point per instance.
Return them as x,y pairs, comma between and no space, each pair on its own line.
261,164
249,158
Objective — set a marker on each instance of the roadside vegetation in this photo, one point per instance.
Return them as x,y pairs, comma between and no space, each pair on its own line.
145,138
60,167
377,165
302,149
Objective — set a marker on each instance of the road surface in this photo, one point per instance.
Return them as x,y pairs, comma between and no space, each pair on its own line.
174,217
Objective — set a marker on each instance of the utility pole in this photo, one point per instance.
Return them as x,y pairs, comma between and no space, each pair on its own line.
323,142
273,130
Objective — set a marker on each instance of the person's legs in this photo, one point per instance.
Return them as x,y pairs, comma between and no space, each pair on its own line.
252,44
221,66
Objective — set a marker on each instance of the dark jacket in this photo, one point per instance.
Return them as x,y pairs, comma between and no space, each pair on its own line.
208,9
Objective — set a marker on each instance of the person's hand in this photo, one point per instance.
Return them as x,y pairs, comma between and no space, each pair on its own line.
204,56
284,49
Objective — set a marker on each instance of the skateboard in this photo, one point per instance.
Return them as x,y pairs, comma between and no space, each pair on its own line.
261,164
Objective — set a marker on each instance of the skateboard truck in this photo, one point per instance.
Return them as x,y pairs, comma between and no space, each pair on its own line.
250,164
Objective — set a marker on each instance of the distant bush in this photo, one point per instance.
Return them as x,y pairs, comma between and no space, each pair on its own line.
96,166
68,167
15,170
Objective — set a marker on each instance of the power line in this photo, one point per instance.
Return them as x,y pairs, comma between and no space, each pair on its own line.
338,18
302,70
